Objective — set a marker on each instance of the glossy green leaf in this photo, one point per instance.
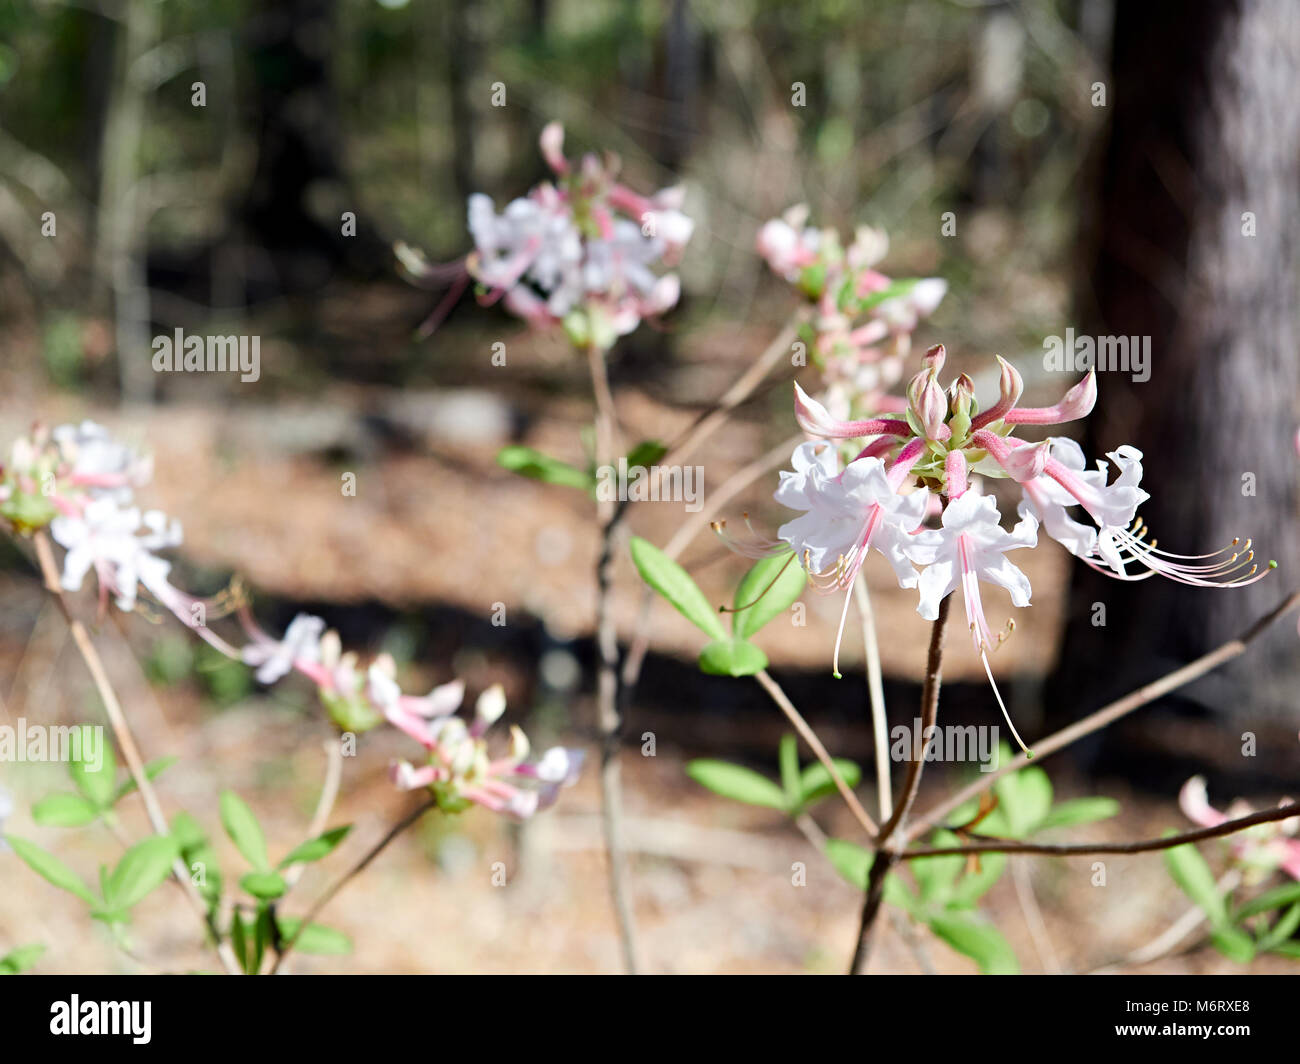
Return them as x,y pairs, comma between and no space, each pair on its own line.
1277,898
1191,873
815,781
730,657
1077,811
766,591
788,759
736,782
264,885
982,942
50,868
152,771
17,961
675,584
1233,943
244,830
532,463
315,849
94,771
141,870
64,811
315,938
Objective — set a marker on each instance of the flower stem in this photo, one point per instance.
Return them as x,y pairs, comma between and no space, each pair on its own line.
347,877
126,743
887,855
608,708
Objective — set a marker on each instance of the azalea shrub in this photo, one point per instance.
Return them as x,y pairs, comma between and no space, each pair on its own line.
883,459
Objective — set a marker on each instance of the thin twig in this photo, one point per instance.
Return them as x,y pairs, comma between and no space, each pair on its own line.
887,855
325,804
1034,918
126,743
608,708
347,877
1087,849
810,737
1108,714
1167,941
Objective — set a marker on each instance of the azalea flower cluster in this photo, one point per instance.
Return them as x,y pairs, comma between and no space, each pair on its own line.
78,481
926,462
579,250
1261,849
861,329
458,767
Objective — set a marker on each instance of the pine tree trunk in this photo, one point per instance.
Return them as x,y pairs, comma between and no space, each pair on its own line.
1196,234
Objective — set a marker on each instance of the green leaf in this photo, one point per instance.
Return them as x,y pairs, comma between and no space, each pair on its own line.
1233,943
315,849
143,868
1282,930
239,940
17,961
675,584
853,862
788,759
264,885
736,782
936,876
94,776
64,811
815,781
646,453
1277,898
982,942
894,290
732,657
152,771
1287,949
532,463
974,885
1025,797
196,850
767,591
1191,873
244,831
315,938
50,868
1078,811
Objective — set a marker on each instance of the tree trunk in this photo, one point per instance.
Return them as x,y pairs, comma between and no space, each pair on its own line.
1196,235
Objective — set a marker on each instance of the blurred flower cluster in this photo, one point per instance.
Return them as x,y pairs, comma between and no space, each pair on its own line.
581,250
458,768
78,483
1259,850
861,330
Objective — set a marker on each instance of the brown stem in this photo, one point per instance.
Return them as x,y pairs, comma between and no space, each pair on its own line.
1108,714
1084,849
126,742
347,877
810,737
887,855
608,709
